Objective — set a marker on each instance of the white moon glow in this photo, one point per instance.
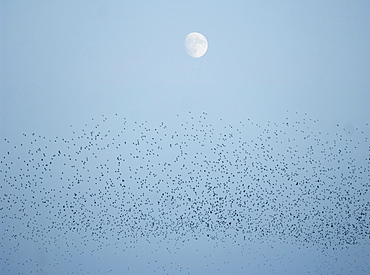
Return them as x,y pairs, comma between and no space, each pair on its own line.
196,44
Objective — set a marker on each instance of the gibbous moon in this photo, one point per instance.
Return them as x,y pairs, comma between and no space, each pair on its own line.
196,44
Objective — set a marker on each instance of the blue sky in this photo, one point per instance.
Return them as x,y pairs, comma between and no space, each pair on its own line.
69,63
64,59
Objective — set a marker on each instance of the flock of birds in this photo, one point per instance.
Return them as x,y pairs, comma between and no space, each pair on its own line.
186,180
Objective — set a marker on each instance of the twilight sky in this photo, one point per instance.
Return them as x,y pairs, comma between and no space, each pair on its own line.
73,67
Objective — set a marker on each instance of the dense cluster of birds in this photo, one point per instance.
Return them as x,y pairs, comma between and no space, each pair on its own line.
109,182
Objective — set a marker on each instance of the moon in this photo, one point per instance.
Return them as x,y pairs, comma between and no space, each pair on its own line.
196,44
